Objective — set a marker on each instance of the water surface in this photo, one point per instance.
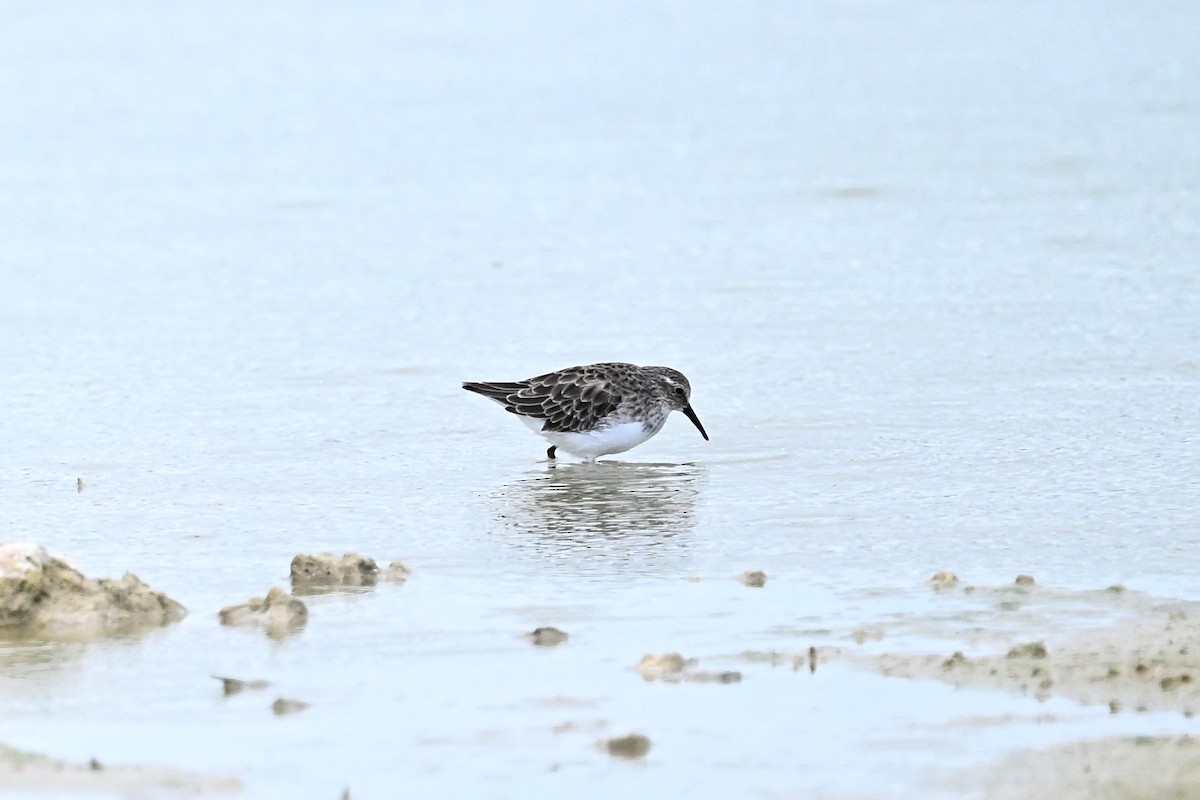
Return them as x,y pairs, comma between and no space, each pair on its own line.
933,272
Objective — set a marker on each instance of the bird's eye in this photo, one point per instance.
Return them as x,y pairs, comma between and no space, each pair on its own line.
679,391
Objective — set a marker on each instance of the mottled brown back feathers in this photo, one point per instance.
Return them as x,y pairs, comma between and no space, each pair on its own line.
571,400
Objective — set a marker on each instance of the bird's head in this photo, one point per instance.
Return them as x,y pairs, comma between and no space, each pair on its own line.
677,393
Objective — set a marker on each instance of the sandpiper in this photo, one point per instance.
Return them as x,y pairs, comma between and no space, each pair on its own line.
595,410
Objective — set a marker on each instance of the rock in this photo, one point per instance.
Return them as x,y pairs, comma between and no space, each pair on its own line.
288,705
653,667
754,578
943,580
277,613
547,637
396,572
674,668
41,592
635,745
1024,580
325,570
233,686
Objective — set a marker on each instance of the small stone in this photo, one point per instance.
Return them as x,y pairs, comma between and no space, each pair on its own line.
547,637
288,705
754,578
1030,650
943,580
653,667
674,668
277,613
635,745
232,686
396,572
1024,580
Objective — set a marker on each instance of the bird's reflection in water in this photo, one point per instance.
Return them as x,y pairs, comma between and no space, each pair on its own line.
607,513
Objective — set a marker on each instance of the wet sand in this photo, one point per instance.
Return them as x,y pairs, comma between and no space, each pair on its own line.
1128,651
1025,638
22,771
1126,768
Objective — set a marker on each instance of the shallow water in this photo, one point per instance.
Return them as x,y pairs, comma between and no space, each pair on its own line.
932,270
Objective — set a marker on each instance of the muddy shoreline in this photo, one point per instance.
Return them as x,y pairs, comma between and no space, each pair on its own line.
1128,651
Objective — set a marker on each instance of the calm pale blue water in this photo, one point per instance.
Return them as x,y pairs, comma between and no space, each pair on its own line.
933,270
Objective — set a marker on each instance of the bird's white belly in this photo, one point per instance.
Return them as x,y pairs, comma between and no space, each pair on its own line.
592,444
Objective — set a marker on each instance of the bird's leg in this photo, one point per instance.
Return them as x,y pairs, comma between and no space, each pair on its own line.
550,452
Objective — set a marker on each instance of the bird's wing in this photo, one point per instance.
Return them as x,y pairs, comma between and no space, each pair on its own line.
568,401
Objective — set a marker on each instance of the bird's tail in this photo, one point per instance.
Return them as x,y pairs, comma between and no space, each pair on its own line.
499,392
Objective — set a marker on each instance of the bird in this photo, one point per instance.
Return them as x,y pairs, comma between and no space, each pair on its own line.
596,409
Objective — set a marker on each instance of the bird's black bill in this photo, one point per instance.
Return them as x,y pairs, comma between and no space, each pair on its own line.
695,421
